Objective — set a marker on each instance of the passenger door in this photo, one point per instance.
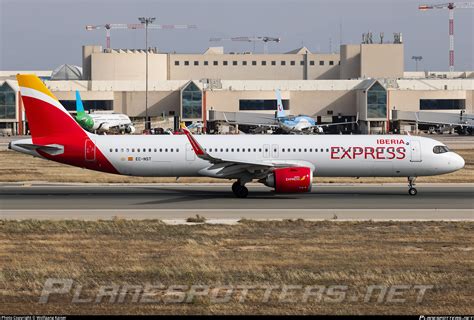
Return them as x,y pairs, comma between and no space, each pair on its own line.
415,151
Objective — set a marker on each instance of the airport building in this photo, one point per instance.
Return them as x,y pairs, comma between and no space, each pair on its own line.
367,80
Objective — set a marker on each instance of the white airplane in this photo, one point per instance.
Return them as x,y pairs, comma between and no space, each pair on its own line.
102,122
286,163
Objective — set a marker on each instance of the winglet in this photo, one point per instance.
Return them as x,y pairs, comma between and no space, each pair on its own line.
196,146
198,150
79,105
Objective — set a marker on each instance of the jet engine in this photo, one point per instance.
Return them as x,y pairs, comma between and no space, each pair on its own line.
290,180
130,129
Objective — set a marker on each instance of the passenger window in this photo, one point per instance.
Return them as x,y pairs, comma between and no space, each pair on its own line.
116,150
128,150
111,150
299,150
177,150
171,150
154,150
254,150
138,150
305,150
133,149
222,150
232,150
283,150
161,150
322,150
166,149
121,150
310,149
294,150
327,150
149,150
226,149
259,149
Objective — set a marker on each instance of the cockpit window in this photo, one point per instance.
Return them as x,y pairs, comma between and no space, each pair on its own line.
440,149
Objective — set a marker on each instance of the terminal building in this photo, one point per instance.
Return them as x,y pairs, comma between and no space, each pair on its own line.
367,80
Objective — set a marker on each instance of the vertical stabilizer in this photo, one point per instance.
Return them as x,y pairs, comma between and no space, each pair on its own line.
280,110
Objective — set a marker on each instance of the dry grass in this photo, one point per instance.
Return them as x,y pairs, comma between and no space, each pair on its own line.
20,167
298,252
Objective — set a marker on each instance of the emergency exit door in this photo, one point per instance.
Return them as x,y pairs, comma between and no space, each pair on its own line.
89,150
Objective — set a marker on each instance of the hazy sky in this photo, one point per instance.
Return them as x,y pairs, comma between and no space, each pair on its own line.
42,34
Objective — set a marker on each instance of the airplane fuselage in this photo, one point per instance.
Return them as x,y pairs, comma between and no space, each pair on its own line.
105,122
329,155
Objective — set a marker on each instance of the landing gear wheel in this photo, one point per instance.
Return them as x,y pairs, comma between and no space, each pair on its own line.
411,186
242,192
235,187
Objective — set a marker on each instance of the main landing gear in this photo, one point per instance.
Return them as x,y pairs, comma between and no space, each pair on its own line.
240,190
411,186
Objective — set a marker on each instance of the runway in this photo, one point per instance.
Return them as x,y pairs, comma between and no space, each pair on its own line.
176,201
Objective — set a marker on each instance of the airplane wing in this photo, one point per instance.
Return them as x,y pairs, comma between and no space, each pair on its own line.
231,168
461,124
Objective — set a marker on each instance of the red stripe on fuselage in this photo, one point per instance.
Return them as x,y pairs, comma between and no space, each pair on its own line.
50,125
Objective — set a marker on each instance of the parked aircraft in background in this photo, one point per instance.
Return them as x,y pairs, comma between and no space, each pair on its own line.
287,124
286,163
102,122
300,123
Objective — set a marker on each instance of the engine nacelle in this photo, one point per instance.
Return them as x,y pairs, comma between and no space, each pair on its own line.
290,180
130,129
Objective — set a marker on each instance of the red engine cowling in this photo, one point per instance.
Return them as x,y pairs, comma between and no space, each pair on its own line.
290,180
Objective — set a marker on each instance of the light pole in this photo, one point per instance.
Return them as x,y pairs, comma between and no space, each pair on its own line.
416,58
146,22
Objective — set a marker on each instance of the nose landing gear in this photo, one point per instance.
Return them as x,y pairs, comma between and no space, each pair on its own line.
411,186
240,190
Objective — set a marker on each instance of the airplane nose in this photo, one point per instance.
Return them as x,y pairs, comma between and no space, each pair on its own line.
458,161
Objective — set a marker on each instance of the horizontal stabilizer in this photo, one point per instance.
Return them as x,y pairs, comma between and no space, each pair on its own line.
52,149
